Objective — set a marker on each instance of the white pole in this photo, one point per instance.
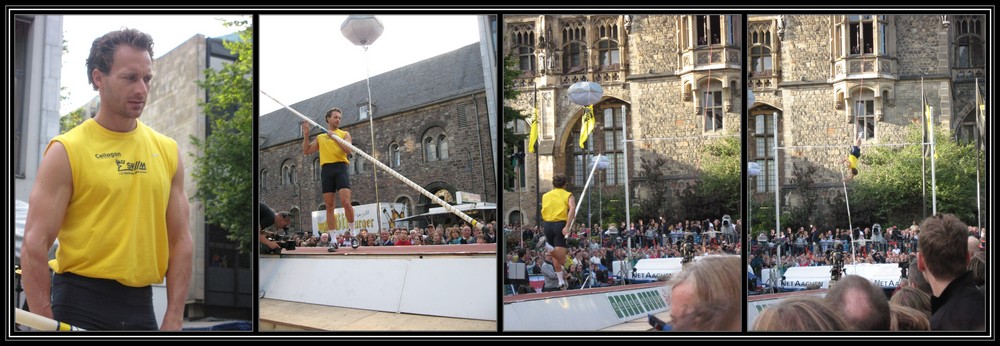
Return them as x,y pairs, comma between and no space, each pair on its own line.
849,224
41,323
777,189
371,124
933,177
381,165
579,202
625,160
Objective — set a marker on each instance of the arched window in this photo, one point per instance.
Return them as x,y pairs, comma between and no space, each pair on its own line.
515,218
608,55
763,153
287,173
430,149
442,147
435,144
407,205
316,169
708,29
263,179
394,155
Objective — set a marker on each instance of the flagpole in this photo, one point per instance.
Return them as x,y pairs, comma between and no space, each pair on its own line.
923,147
538,172
979,200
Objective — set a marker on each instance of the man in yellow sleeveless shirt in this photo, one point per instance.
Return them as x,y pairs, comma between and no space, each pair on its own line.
852,159
557,208
334,174
112,192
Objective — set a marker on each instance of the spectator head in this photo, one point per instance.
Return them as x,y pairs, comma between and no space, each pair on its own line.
861,303
912,297
917,279
559,180
907,318
282,219
707,295
973,243
325,237
943,247
978,268
800,313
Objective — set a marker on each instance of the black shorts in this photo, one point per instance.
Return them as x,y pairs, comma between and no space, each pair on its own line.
856,151
553,233
335,177
101,304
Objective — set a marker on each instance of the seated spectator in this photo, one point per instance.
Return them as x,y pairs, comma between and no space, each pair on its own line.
402,240
454,237
707,295
435,238
800,313
907,318
861,303
324,240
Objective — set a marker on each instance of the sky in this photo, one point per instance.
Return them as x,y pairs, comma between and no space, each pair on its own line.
303,56
168,32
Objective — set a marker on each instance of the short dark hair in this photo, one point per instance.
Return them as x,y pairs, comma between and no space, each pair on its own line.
854,171
943,244
285,214
329,113
559,180
102,51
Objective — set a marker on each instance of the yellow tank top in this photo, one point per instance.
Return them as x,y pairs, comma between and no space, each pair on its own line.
555,205
329,149
115,225
853,161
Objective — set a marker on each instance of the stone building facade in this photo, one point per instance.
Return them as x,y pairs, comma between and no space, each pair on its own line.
676,77
430,125
830,77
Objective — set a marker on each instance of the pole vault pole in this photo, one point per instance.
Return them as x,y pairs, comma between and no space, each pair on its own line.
381,165
584,193
41,323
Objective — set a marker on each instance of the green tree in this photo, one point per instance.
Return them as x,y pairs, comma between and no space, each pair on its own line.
511,140
717,192
69,121
225,171
888,188
651,171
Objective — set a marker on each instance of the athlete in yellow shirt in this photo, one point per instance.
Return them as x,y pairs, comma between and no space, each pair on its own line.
334,175
557,208
852,159
112,191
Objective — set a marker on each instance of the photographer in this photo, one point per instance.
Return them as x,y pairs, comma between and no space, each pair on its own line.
267,219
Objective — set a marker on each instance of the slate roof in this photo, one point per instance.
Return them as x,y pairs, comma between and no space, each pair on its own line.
443,77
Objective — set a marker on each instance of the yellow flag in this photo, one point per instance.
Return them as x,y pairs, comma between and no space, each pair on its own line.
533,136
587,126
929,120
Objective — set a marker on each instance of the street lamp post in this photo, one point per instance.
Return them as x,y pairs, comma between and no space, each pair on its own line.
362,31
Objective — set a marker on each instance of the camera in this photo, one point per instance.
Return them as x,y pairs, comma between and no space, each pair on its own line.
284,242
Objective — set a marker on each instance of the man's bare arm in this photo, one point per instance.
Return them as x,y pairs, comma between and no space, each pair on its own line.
49,199
181,251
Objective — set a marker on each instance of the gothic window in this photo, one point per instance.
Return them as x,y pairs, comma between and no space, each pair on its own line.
523,41
363,111
579,157
394,155
287,173
574,36
263,179
761,63
608,54
969,44
515,218
316,169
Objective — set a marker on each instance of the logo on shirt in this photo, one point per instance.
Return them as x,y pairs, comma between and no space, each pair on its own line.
134,167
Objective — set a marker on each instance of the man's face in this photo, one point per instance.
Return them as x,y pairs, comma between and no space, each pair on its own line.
682,299
124,89
325,237
280,222
334,120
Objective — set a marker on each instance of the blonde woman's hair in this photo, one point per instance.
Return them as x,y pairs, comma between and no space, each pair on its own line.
717,279
912,297
907,318
800,313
